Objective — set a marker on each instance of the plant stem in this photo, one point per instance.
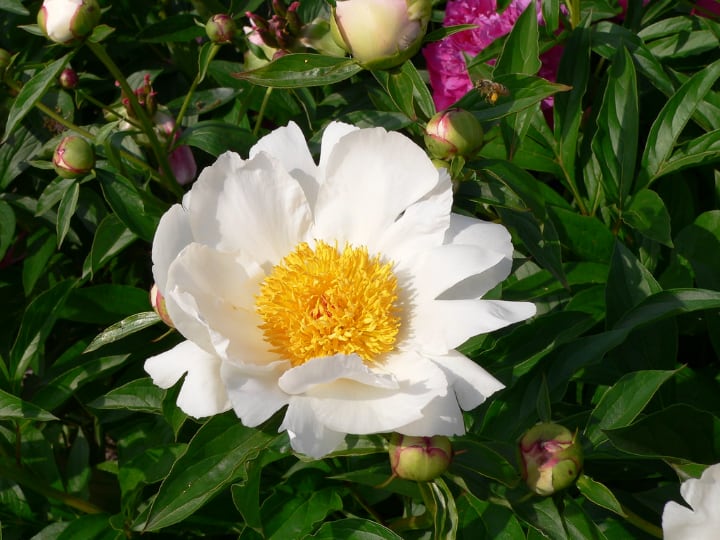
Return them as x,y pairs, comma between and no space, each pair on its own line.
167,179
261,113
642,524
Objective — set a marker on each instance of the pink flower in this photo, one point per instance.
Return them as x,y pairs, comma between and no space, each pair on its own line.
706,8
182,163
446,59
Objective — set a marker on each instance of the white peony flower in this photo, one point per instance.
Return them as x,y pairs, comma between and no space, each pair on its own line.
339,289
64,21
702,520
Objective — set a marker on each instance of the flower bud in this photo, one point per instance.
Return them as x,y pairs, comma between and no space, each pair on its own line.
451,133
68,79
221,28
381,34
66,21
551,458
73,157
157,301
419,458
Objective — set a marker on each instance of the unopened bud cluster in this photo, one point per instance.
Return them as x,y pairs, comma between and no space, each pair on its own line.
551,458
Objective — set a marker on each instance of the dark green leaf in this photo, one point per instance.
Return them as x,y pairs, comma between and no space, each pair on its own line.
440,502
111,237
520,51
13,6
214,459
104,304
205,101
599,494
217,137
175,28
615,142
41,247
7,227
623,402
14,408
647,214
139,395
31,93
301,70
699,151
66,210
475,458
672,120
300,515
354,529
677,432
119,330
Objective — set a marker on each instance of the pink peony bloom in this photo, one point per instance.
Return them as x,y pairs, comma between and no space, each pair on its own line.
446,59
707,8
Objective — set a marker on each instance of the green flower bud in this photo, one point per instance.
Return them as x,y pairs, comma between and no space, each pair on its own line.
551,458
68,79
221,28
73,157
451,133
380,34
419,458
67,21
157,301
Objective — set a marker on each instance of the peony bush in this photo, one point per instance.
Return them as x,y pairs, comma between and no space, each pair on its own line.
359,269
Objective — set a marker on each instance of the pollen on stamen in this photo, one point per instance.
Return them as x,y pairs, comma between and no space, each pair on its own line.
323,301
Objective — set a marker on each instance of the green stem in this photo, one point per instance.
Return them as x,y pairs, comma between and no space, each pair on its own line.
166,178
214,48
261,112
642,524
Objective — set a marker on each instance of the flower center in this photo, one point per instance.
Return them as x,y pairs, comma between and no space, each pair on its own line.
323,302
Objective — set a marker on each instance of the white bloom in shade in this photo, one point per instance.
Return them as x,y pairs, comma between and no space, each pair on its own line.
702,520
65,21
339,289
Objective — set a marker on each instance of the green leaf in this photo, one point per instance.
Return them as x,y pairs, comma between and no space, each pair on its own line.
121,329
586,236
139,395
14,408
702,150
205,101
677,432
646,213
41,246
623,402
15,154
481,519
543,516
138,210
671,121
217,137
475,458
104,304
520,51
629,282
599,494
246,494
298,516
440,502
37,323
699,244
13,6
615,142
7,227
301,70
31,93
175,28
111,237
215,457
53,193
66,210
354,529
399,88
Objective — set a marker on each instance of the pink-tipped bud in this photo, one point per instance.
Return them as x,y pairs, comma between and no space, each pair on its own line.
221,28
157,301
551,458
73,157
68,21
451,133
68,79
419,458
380,34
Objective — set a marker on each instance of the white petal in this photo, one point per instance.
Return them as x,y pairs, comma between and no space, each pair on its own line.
307,435
215,293
443,325
256,208
681,523
439,269
475,232
331,135
371,177
202,392
471,383
441,416
254,393
352,407
172,235
421,227
287,145
703,492
300,379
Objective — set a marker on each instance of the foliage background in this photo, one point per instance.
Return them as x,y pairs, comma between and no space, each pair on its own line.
611,196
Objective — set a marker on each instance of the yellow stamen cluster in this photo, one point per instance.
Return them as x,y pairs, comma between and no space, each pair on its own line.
324,301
